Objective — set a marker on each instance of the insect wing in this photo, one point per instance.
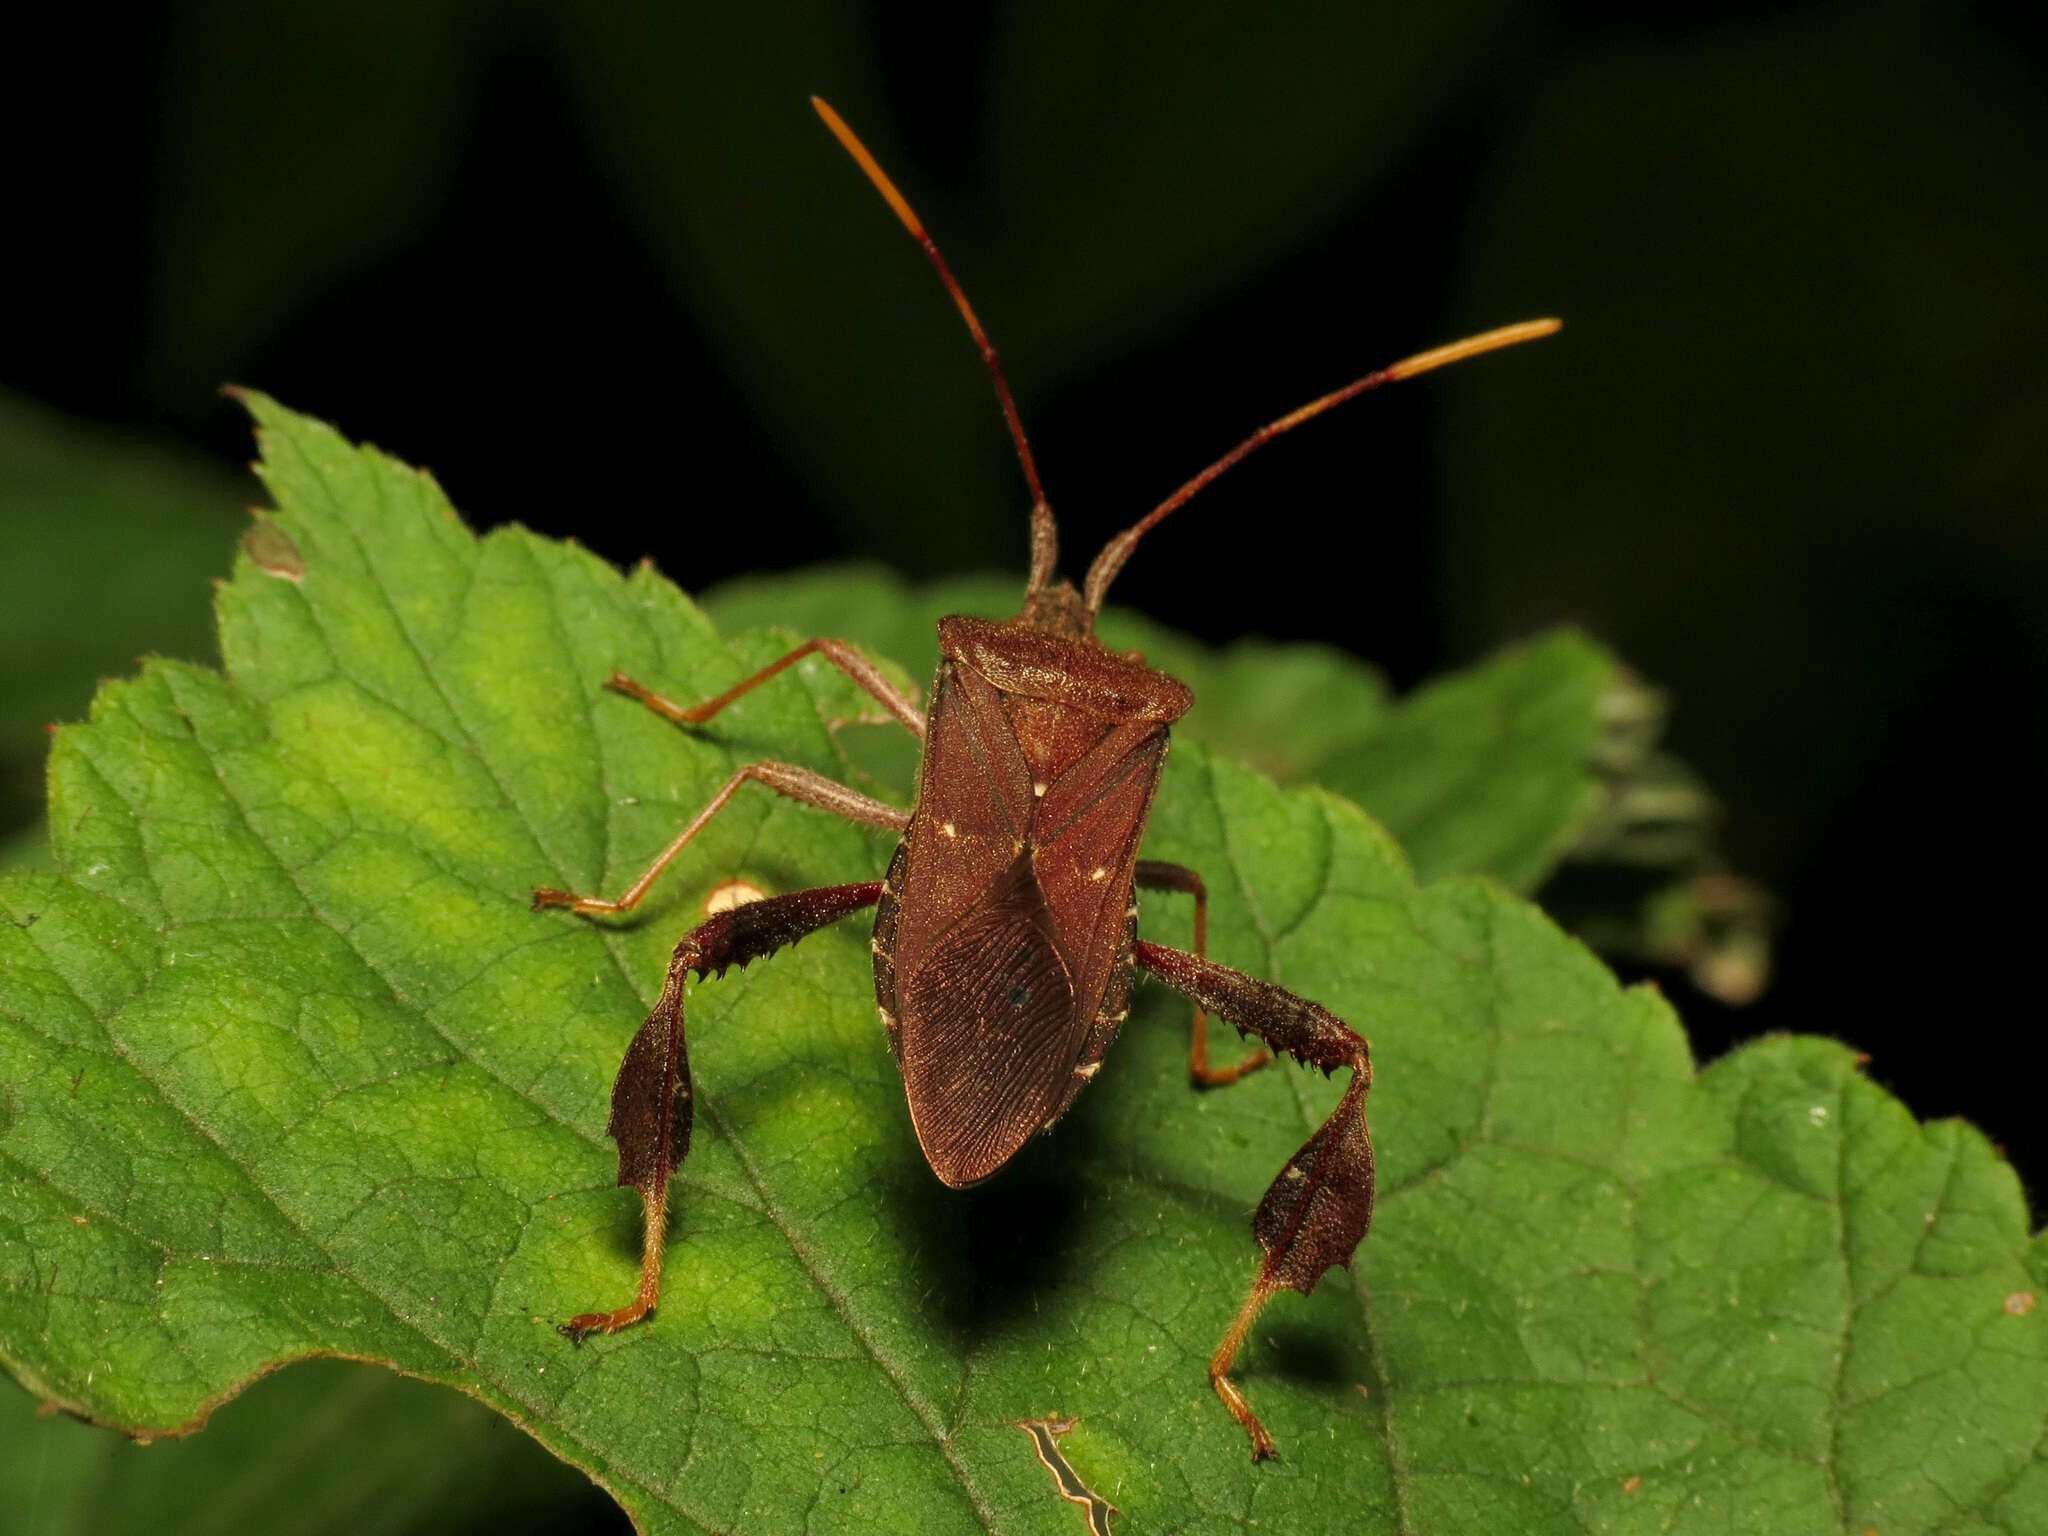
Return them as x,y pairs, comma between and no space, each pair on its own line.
1085,848
988,1020
1012,912
992,1030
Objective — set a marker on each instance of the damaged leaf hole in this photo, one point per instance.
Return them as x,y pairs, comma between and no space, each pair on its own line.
1045,1440
271,550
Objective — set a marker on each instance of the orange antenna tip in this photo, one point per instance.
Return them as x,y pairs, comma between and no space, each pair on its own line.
1118,550
1472,346
850,142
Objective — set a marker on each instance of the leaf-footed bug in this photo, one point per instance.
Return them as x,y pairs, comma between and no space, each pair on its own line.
1006,934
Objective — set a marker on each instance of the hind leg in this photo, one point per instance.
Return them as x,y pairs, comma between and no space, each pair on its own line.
651,1102
1316,1212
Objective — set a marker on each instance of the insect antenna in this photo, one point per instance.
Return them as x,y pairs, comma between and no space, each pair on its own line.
1044,533
1118,549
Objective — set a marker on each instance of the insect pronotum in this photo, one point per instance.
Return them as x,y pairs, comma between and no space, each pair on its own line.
1006,927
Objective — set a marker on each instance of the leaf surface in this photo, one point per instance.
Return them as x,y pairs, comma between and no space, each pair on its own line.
288,1067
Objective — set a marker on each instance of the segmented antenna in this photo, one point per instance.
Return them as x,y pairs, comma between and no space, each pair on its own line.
1044,534
1118,549
1044,540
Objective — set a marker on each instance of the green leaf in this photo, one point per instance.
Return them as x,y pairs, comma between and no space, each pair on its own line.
1491,770
286,1067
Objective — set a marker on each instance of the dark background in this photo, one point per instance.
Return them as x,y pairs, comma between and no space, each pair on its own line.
599,267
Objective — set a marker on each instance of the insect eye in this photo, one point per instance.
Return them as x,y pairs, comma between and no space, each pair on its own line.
1019,996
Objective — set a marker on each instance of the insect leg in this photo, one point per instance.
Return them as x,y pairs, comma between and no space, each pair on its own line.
1158,875
865,674
785,779
1315,1213
651,1107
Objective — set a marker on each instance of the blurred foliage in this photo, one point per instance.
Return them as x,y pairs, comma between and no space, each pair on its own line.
326,1448
26,848
1808,324
1645,881
109,550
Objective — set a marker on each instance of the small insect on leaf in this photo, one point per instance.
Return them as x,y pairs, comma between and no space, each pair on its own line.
1006,928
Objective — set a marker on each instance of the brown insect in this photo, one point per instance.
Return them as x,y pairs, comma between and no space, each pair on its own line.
1006,930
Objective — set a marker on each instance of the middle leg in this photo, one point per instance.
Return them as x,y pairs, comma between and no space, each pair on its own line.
864,674
1159,875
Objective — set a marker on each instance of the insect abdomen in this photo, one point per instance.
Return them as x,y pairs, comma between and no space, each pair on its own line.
888,913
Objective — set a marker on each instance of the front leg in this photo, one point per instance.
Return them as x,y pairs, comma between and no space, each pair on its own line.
1316,1212
863,673
785,779
651,1109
